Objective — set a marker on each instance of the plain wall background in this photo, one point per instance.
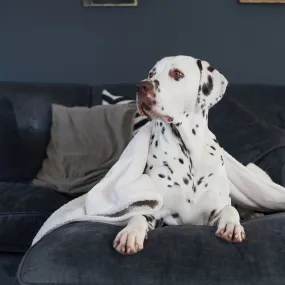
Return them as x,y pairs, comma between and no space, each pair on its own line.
60,41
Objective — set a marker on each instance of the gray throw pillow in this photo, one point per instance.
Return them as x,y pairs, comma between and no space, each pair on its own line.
85,143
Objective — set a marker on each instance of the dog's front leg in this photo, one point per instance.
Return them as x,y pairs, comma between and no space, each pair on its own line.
229,227
130,239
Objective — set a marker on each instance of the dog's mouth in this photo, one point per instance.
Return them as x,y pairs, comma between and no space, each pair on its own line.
144,109
148,111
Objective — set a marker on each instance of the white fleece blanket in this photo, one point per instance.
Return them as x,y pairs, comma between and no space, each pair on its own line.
125,191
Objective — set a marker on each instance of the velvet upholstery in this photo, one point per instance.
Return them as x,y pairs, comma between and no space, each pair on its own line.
81,253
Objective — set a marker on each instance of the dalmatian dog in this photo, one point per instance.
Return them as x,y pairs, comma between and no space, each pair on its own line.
184,160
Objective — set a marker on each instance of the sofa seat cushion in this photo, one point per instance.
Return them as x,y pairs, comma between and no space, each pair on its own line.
23,210
82,253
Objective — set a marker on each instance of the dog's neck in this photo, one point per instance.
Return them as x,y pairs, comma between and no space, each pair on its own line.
192,129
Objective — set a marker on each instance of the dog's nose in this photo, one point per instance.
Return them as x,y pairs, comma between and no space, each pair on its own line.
145,87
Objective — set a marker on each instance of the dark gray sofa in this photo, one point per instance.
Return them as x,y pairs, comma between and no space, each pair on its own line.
250,124
81,253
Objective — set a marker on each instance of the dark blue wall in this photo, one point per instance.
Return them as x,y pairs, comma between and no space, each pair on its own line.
60,41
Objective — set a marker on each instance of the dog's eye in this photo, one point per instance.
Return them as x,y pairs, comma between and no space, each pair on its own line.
176,74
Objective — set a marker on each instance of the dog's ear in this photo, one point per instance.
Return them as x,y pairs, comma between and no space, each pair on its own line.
212,85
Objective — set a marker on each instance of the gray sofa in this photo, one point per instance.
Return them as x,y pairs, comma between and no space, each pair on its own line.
81,253
250,125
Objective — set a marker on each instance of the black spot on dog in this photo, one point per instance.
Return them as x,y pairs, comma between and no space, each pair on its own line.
211,69
175,131
162,108
176,184
163,130
182,144
178,124
186,181
181,160
206,185
170,186
160,124
193,132
165,152
184,150
169,178
175,215
156,143
150,168
188,174
161,175
199,90
210,174
154,156
197,126
187,115
212,147
151,74
203,113
212,214
222,160
199,63
208,87
188,200
191,164
152,137
158,89
167,165
156,83
200,180
211,153
194,188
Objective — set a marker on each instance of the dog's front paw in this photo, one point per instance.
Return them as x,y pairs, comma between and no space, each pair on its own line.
130,240
231,232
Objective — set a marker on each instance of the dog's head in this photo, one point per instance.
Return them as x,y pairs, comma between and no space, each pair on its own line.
179,84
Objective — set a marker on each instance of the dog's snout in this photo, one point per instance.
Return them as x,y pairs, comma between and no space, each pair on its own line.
145,87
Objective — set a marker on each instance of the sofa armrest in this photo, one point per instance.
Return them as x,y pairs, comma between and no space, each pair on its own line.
82,253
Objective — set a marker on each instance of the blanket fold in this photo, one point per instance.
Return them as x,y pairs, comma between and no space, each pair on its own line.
252,191
125,191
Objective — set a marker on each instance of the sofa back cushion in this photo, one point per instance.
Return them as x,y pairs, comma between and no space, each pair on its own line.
10,147
25,116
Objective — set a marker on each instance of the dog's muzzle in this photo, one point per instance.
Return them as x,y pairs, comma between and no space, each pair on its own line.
146,96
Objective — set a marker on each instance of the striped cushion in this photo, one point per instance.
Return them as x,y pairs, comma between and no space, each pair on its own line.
111,99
